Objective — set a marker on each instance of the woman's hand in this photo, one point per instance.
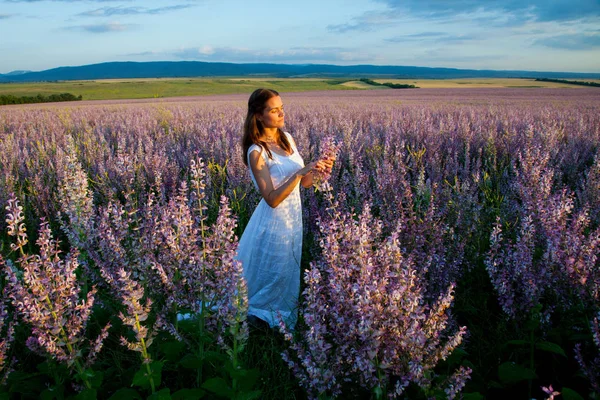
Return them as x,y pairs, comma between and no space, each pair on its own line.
322,167
325,165
307,169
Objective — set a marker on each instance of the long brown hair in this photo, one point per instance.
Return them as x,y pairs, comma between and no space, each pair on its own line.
254,129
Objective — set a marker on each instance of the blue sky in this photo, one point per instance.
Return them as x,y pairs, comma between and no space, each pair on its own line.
541,35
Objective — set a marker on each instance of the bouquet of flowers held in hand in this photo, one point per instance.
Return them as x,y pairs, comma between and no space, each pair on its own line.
329,150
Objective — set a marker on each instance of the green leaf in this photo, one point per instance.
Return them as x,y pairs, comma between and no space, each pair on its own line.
191,361
580,337
142,377
126,394
455,357
219,387
215,356
378,392
188,394
172,349
248,395
93,377
510,373
550,347
495,385
52,393
27,384
570,394
472,396
206,338
246,378
4,396
164,394
534,318
87,394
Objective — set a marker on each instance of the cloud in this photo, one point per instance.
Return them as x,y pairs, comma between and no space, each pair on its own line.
120,11
65,1
6,16
540,10
433,37
571,42
489,13
292,55
102,28
366,22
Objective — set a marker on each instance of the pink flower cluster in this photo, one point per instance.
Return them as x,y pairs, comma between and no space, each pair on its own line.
7,337
162,257
556,250
74,197
550,392
329,149
366,317
45,291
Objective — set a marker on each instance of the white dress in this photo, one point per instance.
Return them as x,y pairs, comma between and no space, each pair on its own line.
271,245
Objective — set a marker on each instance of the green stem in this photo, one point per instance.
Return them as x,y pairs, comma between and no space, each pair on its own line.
531,358
203,296
145,356
65,338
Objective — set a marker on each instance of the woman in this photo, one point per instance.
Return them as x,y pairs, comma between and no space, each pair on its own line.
271,244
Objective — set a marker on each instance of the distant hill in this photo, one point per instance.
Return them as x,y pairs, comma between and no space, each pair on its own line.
174,69
12,73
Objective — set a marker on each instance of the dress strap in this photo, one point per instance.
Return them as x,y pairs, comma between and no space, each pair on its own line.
292,141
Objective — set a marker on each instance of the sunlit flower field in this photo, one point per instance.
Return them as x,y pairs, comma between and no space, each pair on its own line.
454,250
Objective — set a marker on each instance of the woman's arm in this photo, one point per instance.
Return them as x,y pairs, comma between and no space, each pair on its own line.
307,180
273,196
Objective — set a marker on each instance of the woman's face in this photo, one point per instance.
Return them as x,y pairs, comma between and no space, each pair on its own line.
273,115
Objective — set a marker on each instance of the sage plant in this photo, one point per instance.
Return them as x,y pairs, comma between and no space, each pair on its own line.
329,149
366,317
46,294
195,266
555,254
591,368
7,337
75,199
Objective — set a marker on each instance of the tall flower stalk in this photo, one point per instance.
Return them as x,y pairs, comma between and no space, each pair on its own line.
329,149
555,253
7,337
589,367
45,291
199,277
367,320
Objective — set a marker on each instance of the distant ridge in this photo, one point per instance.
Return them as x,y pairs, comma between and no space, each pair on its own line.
20,72
180,69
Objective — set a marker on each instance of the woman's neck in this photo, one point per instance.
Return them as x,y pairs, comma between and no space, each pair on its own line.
270,135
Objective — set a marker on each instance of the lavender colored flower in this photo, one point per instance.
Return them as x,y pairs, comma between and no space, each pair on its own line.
548,225
550,392
45,291
366,316
75,199
328,149
7,337
591,368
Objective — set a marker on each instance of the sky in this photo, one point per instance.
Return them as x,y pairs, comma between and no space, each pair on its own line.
534,35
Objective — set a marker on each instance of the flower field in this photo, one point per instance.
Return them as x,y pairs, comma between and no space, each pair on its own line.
454,250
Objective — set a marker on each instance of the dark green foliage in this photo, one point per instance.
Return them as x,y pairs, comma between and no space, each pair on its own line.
581,83
389,84
10,99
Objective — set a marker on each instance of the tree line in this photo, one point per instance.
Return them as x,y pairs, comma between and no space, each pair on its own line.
582,83
388,84
10,99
